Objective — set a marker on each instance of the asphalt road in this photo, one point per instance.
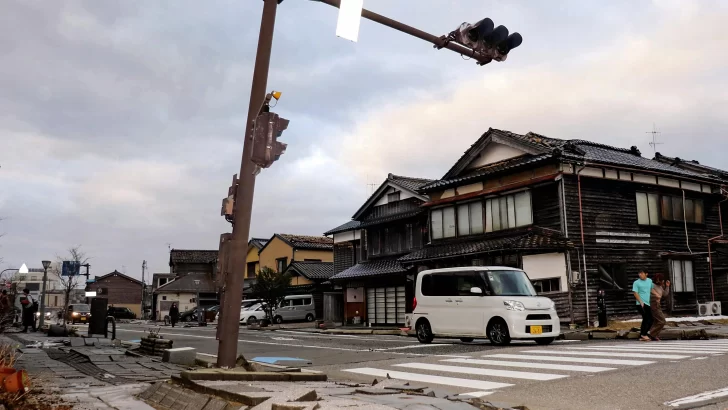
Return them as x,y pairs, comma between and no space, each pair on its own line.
578,375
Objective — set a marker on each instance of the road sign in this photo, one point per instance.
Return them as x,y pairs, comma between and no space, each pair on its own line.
347,26
71,268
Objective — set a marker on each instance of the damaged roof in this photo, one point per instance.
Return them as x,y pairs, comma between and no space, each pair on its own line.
192,256
539,148
313,270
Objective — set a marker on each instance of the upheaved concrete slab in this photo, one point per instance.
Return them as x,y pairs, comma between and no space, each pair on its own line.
670,334
239,374
181,355
576,336
604,335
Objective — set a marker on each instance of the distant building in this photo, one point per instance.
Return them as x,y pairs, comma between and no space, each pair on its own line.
120,291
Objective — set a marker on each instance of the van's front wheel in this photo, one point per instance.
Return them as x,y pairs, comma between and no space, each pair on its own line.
424,332
498,332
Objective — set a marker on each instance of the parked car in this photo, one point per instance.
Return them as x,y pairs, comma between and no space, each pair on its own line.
295,307
188,316
78,313
252,314
475,302
120,312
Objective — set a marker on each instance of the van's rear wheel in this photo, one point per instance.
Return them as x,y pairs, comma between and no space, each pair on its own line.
309,318
498,332
466,339
424,332
543,341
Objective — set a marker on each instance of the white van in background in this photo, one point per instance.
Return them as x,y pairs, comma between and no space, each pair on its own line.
295,307
475,302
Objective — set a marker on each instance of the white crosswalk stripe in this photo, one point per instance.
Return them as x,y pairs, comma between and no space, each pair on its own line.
570,359
494,370
426,378
482,372
532,365
611,354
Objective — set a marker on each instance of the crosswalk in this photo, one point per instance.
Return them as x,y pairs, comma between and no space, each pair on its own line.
490,372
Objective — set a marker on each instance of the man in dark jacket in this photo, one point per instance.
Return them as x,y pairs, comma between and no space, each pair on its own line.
173,314
27,301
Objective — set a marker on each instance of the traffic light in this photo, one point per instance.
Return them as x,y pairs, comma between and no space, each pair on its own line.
266,147
489,42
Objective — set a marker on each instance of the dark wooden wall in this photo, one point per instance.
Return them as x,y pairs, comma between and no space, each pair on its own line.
120,290
343,256
610,205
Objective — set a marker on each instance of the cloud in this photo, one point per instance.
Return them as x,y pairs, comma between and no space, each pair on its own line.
122,123
612,95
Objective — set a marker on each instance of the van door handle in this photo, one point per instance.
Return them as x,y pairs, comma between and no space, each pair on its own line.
448,300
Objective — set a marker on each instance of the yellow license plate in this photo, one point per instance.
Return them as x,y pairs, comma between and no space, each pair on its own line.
83,319
536,330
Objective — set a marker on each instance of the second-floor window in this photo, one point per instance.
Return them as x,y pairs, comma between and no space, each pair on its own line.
510,211
393,197
281,264
495,214
652,208
251,269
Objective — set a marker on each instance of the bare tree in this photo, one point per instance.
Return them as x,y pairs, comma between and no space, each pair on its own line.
68,283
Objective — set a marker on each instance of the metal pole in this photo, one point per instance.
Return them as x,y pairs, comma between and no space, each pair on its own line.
41,321
439,42
228,344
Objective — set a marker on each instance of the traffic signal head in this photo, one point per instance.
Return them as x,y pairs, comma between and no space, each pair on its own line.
266,147
487,42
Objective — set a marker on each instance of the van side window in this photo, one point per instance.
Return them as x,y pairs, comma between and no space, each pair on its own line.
466,281
286,302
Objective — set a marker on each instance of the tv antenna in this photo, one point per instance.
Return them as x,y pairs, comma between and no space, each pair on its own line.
654,142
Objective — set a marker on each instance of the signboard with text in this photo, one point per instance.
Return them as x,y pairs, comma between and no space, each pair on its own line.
71,268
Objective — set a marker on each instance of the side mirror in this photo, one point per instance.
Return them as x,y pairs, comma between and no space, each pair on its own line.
476,291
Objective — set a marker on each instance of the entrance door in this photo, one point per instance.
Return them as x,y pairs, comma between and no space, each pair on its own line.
386,305
333,307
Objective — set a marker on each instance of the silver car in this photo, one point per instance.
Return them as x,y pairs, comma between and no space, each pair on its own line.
295,307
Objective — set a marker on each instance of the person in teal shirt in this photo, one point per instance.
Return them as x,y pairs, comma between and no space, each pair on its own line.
641,289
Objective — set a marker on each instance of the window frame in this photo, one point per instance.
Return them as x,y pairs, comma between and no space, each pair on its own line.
511,211
547,280
394,196
681,216
278,264
658,216
683,282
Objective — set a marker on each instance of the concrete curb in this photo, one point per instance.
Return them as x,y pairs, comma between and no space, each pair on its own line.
242,375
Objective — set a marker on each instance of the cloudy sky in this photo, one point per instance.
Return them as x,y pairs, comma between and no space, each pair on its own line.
121,122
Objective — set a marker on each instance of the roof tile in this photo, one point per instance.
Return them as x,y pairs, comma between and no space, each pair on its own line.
308,242
313,270
370,268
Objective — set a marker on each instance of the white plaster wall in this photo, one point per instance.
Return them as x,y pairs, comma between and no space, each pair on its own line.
494,152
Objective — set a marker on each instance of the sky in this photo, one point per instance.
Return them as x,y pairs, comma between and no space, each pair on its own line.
121,122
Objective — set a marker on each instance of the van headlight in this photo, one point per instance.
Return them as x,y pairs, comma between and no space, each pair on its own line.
514,305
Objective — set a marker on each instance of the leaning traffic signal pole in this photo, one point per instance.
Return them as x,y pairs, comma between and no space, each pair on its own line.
233,289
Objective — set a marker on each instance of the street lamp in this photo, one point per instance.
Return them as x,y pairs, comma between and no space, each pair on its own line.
46,265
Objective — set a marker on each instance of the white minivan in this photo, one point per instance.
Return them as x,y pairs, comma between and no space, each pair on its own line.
295,307
475,302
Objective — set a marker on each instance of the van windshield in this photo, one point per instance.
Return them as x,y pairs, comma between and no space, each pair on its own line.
509,283
81,308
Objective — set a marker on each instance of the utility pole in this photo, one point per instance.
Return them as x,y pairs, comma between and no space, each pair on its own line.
233,290
481,41
144,267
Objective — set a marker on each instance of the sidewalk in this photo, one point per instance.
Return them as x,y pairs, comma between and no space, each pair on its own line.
98,376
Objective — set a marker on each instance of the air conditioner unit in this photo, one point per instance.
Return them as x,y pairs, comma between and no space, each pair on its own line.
709,309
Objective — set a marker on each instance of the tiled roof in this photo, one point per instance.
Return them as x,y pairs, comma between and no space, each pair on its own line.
505,165
192,256
343,228
413,184
258,242
528,240
191,283
692,165
313,270
408,183
369,269
390,218
308,242
539,148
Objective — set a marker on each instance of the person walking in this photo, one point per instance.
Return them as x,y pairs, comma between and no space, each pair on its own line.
173,314
660,290
642,288
28,302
